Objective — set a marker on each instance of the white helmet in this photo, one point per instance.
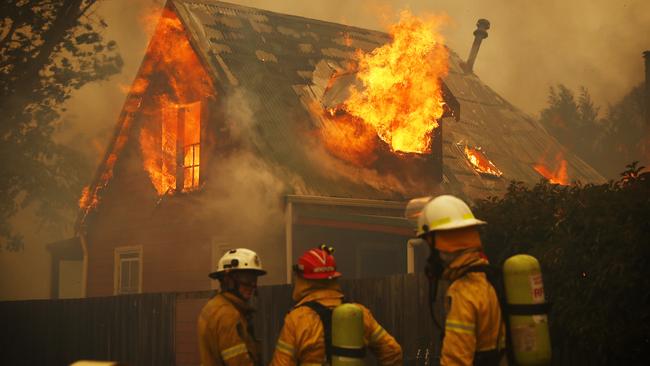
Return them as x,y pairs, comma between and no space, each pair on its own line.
446,212
240,259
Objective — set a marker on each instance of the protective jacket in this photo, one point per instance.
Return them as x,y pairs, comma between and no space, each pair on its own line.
473,327
226,334
301,340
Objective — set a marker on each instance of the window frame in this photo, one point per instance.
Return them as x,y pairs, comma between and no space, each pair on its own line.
118,260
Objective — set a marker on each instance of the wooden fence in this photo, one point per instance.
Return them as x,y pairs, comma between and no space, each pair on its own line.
160,329
136,329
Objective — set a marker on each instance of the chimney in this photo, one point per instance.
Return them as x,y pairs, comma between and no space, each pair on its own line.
482,25
646,55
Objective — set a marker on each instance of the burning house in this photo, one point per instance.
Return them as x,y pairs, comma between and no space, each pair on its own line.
250,128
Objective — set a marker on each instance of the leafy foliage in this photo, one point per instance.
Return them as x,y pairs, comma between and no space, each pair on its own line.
572,121
607,142
47,49
593,242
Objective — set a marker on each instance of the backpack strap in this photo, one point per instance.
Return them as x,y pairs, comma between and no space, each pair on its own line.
325,315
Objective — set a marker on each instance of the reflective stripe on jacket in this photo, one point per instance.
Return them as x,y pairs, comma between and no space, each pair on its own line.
474,320
224,333
301,340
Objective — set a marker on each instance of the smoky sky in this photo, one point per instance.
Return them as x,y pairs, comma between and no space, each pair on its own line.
531,44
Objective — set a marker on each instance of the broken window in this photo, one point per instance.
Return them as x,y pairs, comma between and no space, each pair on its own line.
480,162
181,146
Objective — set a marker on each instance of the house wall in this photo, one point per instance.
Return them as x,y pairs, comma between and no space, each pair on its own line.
175,244
359,253
176,232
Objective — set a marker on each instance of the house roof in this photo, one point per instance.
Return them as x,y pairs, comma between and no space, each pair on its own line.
282,63
276,57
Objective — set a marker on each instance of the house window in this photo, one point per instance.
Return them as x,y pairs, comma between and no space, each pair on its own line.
181,146
128,270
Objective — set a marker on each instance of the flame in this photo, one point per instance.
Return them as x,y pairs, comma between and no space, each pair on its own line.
347,137
90,196
402,95
85,199
171,130
180,81
480,162
557,175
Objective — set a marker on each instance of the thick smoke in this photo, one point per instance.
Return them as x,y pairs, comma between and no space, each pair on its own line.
243,194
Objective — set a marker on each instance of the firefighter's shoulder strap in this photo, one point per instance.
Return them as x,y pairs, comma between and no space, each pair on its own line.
325,315
494,276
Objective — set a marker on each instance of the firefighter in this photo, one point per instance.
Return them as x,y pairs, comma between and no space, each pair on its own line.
465,305
302,338
225,326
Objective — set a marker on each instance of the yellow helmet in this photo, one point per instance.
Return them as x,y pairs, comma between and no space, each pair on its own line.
445,212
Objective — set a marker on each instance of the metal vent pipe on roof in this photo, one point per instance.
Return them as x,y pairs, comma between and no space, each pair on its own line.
482,25
646,55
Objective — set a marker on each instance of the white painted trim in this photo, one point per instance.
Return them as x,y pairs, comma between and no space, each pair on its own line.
116,265
350,202
219,247
84,268
288,229
410,253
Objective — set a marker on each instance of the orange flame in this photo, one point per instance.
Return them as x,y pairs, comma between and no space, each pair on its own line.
557,175
402,95
85,198
347,137
480,162
170,137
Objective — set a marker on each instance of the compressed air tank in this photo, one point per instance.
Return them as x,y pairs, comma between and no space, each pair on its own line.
527,310
347,336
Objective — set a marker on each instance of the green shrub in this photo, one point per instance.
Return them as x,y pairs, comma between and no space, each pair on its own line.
593,243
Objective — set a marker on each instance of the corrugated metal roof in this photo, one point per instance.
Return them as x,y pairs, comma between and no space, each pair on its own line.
273,57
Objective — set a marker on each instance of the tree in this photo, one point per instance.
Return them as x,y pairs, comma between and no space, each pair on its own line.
626,135
48,48
607,142
573,122
592,244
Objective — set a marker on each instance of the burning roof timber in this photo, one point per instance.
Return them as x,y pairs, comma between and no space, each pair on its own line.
296,69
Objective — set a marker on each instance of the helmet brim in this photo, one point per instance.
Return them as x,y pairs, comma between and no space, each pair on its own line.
219,274
451,226
459,225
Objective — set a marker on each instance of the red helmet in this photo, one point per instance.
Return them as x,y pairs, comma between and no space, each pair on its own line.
317,264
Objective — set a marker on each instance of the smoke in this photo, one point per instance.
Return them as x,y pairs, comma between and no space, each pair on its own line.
92,111
531,44
243,193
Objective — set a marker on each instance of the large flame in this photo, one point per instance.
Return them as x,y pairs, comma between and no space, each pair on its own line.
180,83
170,137
558,175
401,97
